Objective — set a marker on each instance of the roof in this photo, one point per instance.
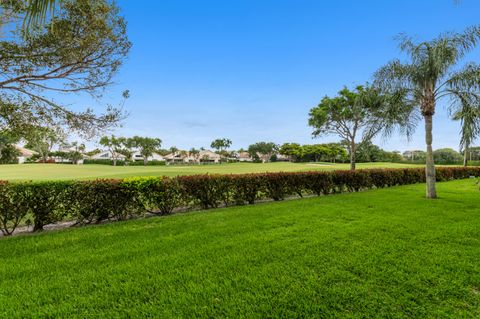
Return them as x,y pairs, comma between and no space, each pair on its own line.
107,155
25,152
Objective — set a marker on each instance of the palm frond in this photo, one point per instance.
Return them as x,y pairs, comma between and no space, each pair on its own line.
466,79
466,109
37,11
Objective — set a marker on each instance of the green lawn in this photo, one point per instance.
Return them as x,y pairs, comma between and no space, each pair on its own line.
63,171
385,253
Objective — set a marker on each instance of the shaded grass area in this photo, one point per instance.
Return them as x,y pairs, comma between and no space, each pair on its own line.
383,253
65,171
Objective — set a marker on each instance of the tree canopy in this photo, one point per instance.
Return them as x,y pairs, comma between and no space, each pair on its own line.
146,146
78,52
432,71
355,116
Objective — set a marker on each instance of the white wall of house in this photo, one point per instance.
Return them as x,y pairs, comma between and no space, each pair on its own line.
108,156
155,157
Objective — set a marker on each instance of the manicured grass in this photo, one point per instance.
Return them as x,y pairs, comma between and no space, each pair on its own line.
63,171
386,253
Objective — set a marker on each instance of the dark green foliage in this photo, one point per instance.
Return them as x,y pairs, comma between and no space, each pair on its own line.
9,155
207,190
116,199
447,156
13,206
152,194
47,202
101,199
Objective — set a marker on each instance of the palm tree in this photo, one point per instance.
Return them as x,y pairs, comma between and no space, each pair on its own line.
468,113
432,73
37,10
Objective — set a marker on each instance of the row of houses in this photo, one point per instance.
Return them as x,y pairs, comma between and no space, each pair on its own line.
179,157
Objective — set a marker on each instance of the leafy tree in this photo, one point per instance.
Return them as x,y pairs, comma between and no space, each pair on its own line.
221,145
336,152
42,140
113,145
368,152
316,151
76,154
146,146
431,73
8,151
264,150
293,150
78,52
353,113
127,147
93,152
173,149
447,156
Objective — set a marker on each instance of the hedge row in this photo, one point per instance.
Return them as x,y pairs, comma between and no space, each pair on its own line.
123,162
115,199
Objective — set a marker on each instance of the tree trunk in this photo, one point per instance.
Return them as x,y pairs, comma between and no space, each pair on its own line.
465,156
430,165
145,161
353,155
114,162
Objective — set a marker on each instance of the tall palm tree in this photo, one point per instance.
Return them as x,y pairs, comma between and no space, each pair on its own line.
467,111
431,73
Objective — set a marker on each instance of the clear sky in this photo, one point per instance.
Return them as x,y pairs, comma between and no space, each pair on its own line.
250,70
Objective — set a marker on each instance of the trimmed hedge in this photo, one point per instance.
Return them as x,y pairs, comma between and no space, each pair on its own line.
123,162
116,199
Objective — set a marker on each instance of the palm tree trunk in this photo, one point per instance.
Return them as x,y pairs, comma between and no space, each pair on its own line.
465,156
353,157
430,165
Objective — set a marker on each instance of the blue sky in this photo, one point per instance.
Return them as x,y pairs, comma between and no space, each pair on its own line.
250,70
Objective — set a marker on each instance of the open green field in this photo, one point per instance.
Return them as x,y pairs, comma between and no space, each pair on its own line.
385,253
63,171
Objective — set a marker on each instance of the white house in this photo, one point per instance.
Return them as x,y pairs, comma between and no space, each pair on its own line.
243,157
155,157
204,156
107,155
209,156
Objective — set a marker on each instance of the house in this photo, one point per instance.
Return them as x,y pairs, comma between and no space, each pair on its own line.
107,155
139,157
243,157
177,157
24,154
204,156
207,156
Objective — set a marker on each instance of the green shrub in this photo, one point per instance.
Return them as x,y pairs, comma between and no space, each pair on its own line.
206,190
149,163
122,162
246,188
101,199
102,162
13,206
115,199
47,201
153,194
